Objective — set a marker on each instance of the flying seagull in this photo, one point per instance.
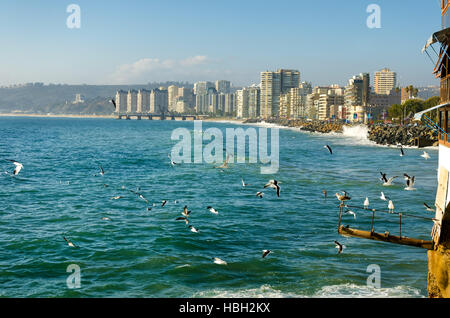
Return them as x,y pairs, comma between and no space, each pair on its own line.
383,197
352,213
343,197
163,203
410,183
273,184
265,253
173,163
117,197
225,164
339,246
387,182
212,210
425,155
106,219
260,194
219,261
402,153
429,208
69,242
114,103
185,211
243,183
193,229
18,165
182,218
329,149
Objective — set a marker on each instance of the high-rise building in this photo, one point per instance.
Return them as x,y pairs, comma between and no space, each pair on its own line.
172,91
357,92
385,81
223,86
242,103
121,101
132,101
288,79
159,101
270,94
143,101
201,88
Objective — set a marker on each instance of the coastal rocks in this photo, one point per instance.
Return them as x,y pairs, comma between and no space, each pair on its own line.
419,136
311,126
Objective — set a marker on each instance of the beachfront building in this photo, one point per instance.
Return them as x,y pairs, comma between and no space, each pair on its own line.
121,101
172,92
143,101
385,81
159,101
201,88
329,103
223,86
132,101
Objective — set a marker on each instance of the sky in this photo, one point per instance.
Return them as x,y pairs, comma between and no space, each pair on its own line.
137,42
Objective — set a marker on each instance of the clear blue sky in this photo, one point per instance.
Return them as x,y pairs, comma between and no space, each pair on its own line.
136,41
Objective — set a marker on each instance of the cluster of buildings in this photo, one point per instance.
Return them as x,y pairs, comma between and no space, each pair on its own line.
280,94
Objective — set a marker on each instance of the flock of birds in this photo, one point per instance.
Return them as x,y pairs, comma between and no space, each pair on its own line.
343,196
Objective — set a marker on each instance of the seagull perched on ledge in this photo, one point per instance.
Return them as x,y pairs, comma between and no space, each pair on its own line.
343,197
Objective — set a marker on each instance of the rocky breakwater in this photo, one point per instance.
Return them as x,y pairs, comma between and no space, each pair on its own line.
420,136
311,126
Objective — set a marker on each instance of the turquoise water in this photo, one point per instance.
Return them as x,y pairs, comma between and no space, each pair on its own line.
140,253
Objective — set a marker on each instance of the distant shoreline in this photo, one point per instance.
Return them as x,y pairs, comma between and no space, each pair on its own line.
54,115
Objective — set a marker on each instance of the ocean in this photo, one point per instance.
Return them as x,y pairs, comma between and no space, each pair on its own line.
139,253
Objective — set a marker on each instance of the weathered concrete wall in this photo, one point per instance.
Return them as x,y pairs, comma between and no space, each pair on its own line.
439,273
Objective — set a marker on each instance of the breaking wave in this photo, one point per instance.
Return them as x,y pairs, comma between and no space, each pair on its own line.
333,291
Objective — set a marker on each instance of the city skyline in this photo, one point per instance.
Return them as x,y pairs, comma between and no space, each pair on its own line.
217,40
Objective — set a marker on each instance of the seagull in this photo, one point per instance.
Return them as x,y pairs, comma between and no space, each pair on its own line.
273,184
106,219
343,197
193,229
142,197
219,261
366,203
173,163
401,151
182,218
430,209
383,197
265,253
329,149
102,172
352,213
117,197
18,165
212,210
163,203
339,246
387,182
391,206
243,183
425,155
69,243
225,164
114,103
260,194
149,209
324,193
410,183
185,212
